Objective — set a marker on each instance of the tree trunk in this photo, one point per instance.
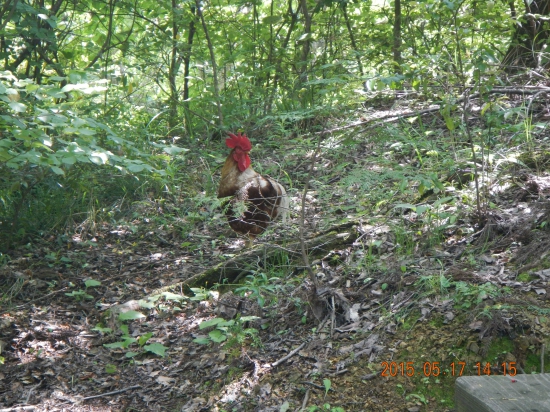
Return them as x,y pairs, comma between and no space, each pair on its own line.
175,63
397,58
352,37
186,68
530,37
214,65
306,42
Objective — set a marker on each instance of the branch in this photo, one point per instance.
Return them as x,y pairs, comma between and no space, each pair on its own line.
111,393
391,117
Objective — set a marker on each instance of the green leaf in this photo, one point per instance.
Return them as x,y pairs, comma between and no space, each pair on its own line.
173,150
56,93
17,107
142,340
441,201
172,296
127,341
146,304
304,37
110,368
68,159
217,336
99,158
90,283
327,384
101,329
202,341
421,209
272,19
57,170
131,315
405,206
248,318
284,407
156,348
450,123
210,322
135,168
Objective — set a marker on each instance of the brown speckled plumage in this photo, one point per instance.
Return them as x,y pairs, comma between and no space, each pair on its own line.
256,199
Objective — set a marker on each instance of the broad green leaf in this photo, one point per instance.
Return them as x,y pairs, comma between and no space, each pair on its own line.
136,168
146,304
142,340
327,384
131,315
86,132
405,206
173,150
248,318
99,158
56,92
217,336
57,170
421,209
17,107
172,296
304,37
449,123
272,19
92,283
211,322
110,368
284,407
439,202
68,160
156,348
116,345
102,329
202,341
127,341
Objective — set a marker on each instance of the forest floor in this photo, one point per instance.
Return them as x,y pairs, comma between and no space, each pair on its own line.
415,296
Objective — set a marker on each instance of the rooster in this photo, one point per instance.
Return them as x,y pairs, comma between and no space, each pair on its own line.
256,200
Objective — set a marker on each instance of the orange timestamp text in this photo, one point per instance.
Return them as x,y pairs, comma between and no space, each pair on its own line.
393,369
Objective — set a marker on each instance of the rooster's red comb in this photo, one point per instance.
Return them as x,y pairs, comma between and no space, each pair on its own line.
238,140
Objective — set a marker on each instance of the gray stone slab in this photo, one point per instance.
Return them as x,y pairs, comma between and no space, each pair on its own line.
520,393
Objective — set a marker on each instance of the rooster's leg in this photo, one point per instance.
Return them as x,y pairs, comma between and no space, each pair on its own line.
250,240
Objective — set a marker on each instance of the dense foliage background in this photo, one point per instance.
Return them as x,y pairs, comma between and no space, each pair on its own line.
107,102
412,140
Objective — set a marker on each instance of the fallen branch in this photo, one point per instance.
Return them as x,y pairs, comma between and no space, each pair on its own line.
227,272
111,393
290,355
19,408
393,115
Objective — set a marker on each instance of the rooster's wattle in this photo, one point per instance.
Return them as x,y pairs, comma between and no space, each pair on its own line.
256,200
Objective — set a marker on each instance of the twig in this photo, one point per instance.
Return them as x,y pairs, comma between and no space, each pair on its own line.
305,401
40,298
111,393
303,217
340,372
19,408
316,386
31,390
332,316
291,354
392,116
542,359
